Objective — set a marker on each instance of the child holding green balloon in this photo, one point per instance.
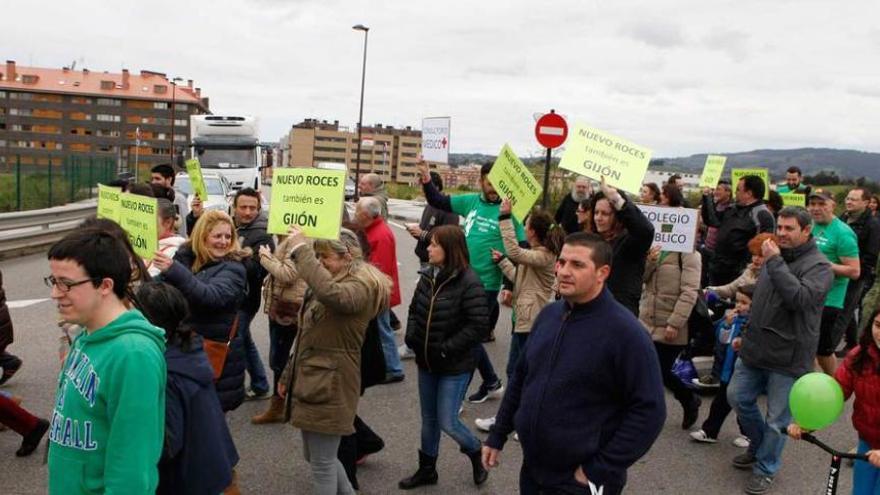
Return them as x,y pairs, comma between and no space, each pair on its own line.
816,408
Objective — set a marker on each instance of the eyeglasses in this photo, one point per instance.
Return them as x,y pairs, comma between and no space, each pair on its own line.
64,285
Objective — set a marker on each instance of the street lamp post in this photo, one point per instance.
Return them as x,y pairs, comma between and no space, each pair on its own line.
357,165
173,105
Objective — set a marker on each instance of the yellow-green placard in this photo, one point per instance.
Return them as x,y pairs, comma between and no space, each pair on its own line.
138,218
738,173
308,198
794,199
194,170
513,181
712,170
596,154
108,202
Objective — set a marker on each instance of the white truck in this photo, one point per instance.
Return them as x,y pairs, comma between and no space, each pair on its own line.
229,145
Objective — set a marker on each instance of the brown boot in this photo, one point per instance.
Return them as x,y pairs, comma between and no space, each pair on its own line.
232,489
275,413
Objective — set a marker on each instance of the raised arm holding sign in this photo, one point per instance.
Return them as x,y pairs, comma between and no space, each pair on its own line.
712,171
139,219
598,154
513,181
194,170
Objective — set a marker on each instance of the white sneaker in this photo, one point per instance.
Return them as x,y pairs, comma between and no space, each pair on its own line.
485,424
405,352
742,442
700,436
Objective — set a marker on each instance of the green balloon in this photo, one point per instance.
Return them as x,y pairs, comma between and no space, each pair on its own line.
816,401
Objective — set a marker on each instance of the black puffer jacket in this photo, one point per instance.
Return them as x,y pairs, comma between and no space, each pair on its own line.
448,316
736,225
215,295
629,252
252,236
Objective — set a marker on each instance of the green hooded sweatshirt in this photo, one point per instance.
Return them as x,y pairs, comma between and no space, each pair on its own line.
107,427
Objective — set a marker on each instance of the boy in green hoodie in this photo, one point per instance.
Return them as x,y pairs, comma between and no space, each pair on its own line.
107,426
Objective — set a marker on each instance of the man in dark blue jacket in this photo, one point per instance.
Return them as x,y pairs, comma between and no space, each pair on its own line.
587,396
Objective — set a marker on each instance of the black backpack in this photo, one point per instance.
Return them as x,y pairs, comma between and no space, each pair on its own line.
701,330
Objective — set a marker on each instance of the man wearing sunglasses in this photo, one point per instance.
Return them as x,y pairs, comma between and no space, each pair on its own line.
106,431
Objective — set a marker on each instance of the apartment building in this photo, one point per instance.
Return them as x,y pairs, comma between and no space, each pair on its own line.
48,113
388,151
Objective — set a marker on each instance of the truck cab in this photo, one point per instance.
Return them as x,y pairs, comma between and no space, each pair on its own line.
230,146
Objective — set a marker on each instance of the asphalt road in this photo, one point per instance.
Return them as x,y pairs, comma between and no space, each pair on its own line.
271,456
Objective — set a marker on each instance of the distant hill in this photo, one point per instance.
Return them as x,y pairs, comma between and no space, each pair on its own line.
849,164
456,159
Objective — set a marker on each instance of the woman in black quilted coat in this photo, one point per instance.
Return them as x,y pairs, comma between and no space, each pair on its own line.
448,316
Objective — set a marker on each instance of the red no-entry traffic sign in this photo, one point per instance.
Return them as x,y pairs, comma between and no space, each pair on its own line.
551,130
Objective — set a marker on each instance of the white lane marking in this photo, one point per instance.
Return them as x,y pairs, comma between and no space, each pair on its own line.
396,225
24,303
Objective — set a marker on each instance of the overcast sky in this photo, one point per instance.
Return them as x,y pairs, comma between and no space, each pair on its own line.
679,77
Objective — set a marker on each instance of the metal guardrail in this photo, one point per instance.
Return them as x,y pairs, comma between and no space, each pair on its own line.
28,231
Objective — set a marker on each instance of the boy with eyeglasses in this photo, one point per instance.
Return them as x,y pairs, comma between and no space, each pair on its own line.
107,426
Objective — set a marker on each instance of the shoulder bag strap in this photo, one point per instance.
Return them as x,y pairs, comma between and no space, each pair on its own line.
233,331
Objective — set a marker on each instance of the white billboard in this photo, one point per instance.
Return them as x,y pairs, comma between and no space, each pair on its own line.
435,139
675,229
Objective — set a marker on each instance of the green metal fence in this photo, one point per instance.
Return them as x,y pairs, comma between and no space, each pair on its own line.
60,181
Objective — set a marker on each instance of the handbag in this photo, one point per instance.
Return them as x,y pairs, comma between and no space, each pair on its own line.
217,351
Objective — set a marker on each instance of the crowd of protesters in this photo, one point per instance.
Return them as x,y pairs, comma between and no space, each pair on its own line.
156,352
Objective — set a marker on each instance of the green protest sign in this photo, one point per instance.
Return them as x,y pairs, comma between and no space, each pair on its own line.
597,154
309,198
108,202
738,173
138,218
712,170
793,199
194,170
513,181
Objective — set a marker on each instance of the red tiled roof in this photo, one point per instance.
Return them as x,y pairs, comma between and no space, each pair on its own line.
85,82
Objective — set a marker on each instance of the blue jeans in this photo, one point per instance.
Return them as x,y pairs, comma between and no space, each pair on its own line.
259,382
440,398
764,432
389,344
280,341
866,478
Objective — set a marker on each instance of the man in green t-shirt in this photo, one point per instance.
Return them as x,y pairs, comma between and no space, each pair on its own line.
482,234
793,183
837,241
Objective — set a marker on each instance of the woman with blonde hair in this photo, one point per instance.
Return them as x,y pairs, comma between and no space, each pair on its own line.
208,270
321,382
